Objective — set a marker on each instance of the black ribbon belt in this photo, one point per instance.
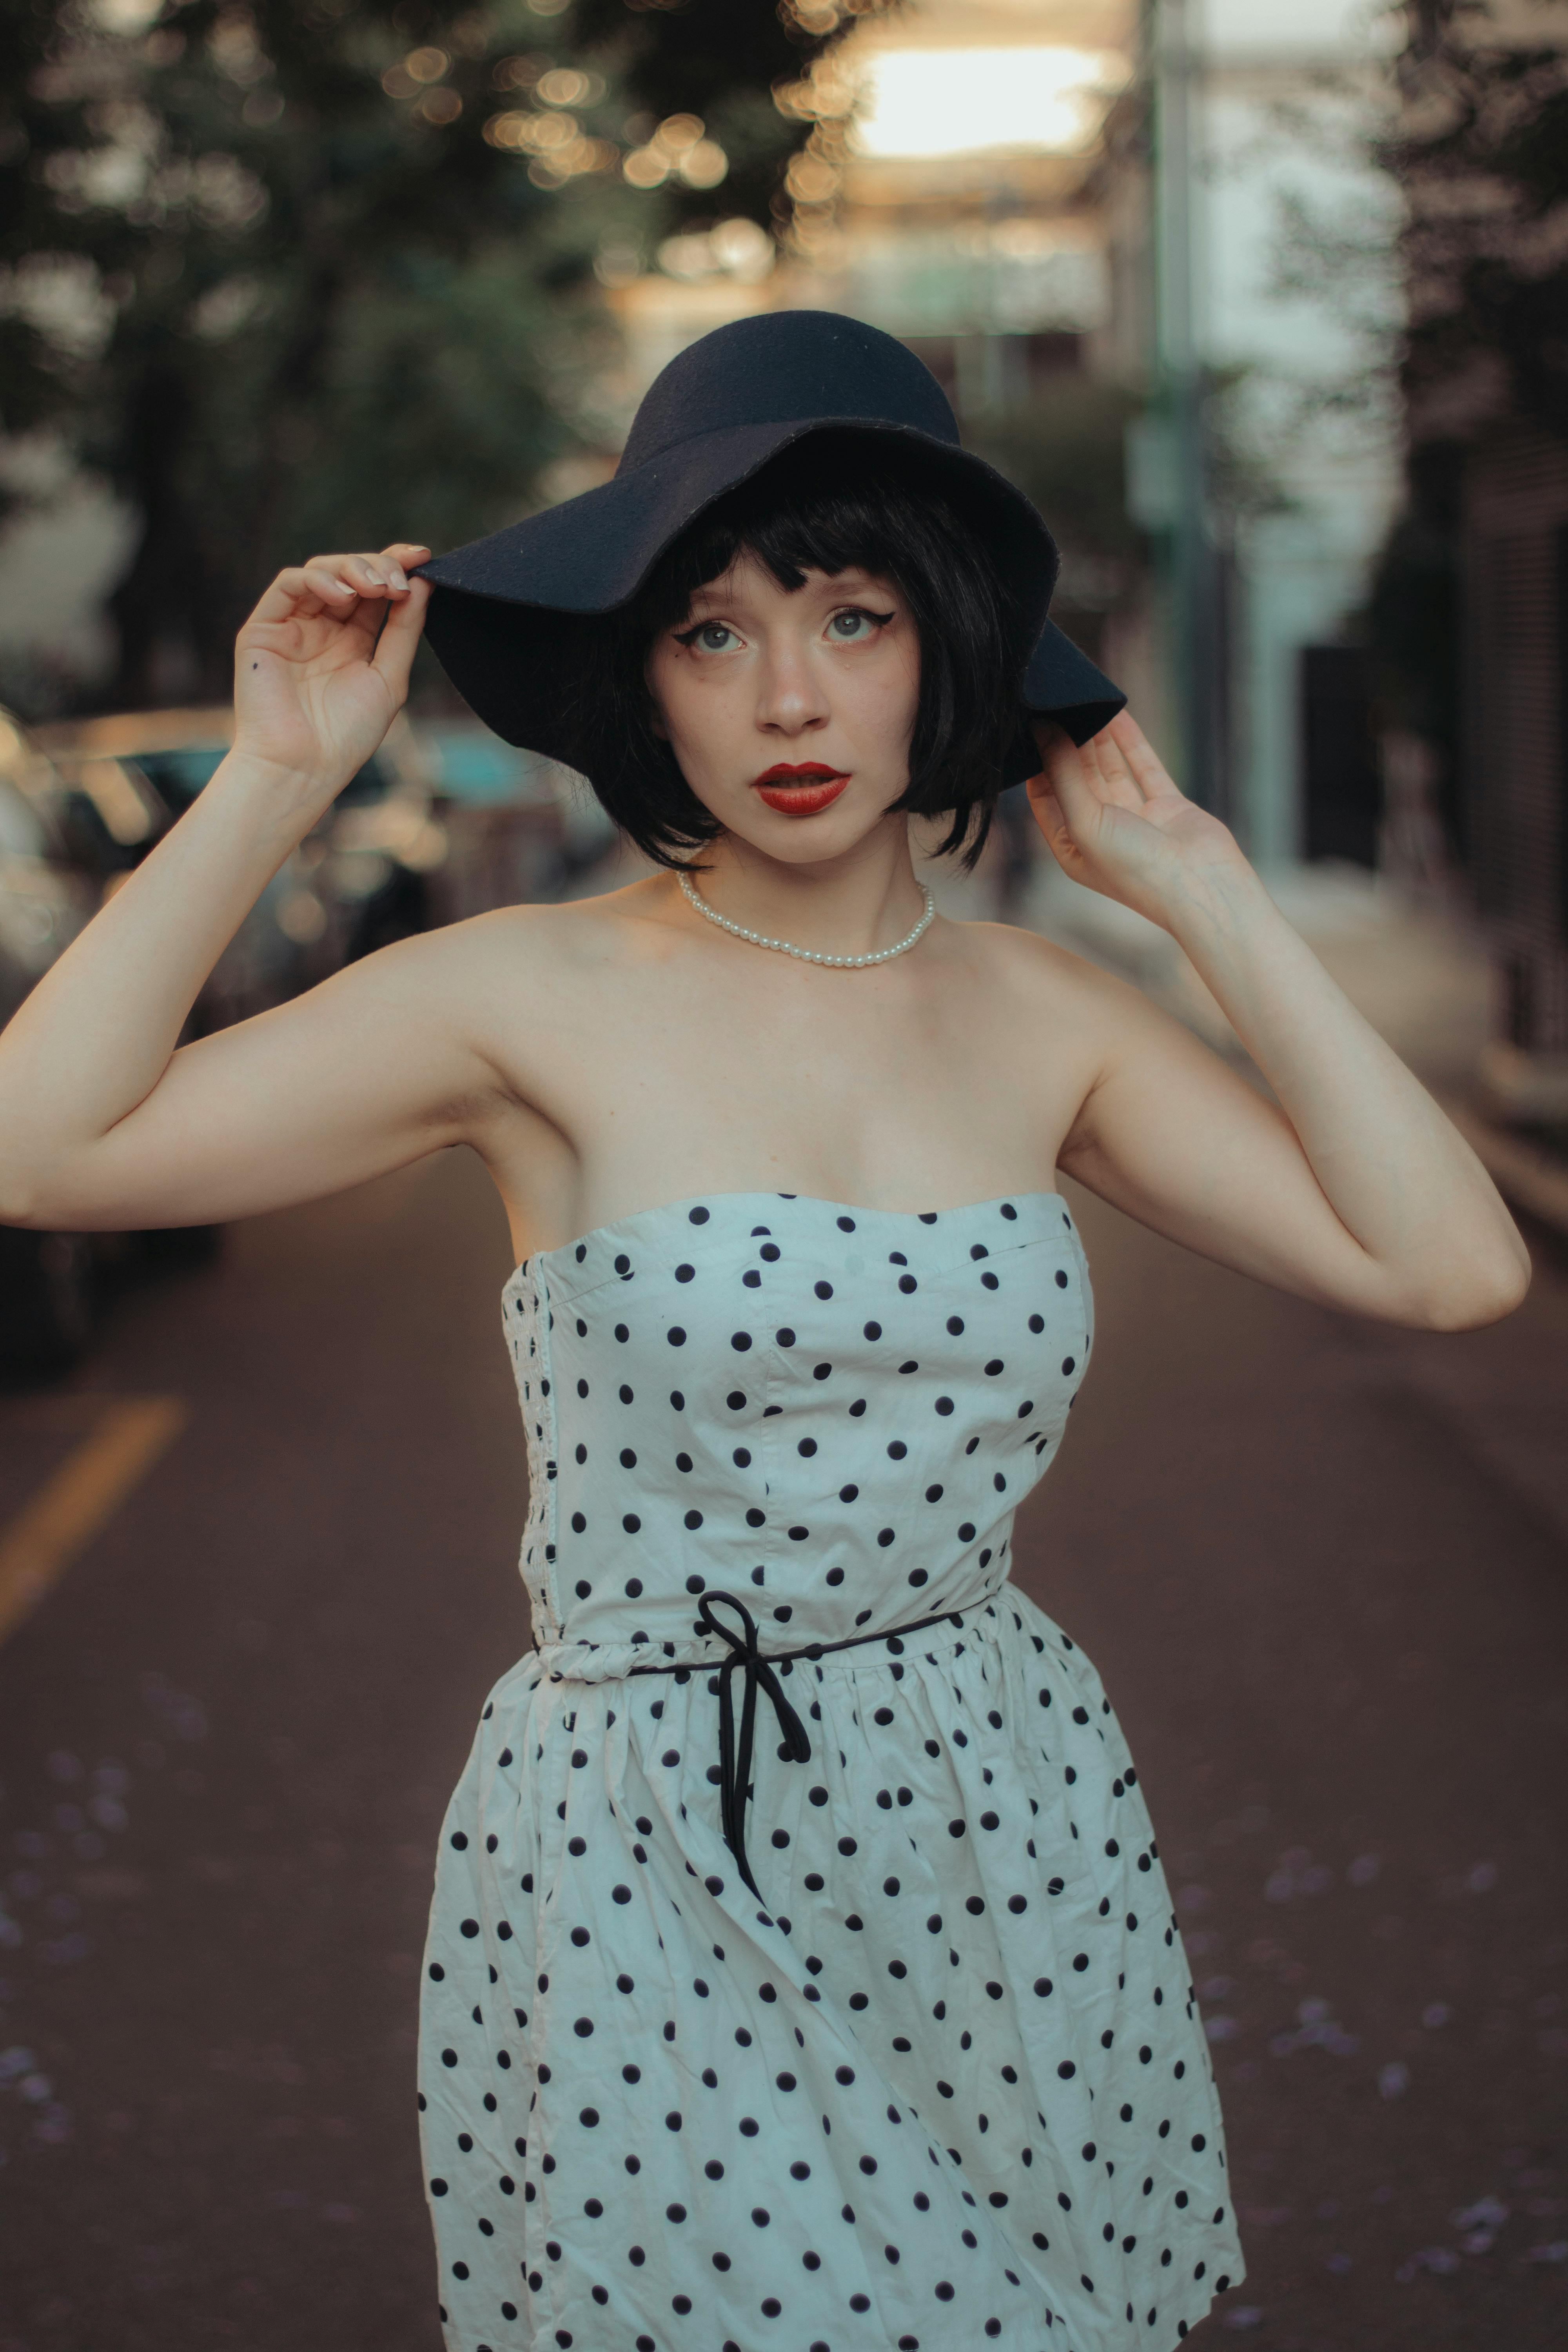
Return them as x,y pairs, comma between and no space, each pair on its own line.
735,1761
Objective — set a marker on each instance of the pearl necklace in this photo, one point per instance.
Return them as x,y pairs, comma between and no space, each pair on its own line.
806,955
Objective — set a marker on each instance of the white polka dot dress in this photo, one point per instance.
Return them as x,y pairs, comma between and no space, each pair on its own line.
938,2081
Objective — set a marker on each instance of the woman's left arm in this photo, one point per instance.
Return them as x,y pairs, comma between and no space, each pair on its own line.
1352,1188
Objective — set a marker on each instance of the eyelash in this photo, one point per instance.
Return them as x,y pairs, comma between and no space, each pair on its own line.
690,637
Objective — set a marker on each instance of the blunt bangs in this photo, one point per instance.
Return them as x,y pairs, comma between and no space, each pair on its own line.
823,505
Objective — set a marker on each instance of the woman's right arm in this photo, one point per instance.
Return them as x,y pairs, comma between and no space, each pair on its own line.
102,1122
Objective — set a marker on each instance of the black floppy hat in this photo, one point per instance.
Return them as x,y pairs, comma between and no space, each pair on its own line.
502,607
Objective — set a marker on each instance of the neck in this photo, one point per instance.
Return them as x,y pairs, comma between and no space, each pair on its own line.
855,904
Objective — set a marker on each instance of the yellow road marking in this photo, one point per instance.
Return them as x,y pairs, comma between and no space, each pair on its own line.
83,1495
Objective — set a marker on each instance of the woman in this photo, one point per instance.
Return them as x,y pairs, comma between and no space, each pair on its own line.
848,2011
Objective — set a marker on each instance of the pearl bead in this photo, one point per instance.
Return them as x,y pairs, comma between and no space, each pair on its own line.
806,955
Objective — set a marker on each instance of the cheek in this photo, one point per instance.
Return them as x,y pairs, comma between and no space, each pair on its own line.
693,713
888,694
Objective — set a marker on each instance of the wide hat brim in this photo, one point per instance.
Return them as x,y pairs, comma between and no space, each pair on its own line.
505,608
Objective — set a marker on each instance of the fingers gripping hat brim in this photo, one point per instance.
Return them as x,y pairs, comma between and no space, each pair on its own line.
505,609
1060,683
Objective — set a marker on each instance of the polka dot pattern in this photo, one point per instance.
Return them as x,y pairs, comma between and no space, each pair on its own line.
945,2085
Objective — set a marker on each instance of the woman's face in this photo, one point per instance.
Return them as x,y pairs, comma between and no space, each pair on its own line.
790,710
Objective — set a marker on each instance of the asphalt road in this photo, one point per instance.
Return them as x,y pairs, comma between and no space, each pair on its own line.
1322,1569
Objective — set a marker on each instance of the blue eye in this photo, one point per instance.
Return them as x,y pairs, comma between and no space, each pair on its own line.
853,615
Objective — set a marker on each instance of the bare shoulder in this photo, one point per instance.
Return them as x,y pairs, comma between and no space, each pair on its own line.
535,946
616,928
1042,980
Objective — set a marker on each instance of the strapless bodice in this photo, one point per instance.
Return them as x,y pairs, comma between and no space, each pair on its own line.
833,1411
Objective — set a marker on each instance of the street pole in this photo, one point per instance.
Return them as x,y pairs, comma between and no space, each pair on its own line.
1191,582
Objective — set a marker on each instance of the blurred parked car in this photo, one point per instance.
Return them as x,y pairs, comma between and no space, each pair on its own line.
45,1279
446,821
359,879
80,805
519,827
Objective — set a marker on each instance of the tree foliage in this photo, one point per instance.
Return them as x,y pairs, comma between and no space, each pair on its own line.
1481,153
291,273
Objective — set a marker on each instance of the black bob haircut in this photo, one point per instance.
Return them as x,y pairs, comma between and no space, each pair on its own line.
821,505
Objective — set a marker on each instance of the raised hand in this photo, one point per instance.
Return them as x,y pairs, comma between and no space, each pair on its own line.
321,665
1114,821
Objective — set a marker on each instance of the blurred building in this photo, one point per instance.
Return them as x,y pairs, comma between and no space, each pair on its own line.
956,212
1514,573
1487,418
1289,293
959,212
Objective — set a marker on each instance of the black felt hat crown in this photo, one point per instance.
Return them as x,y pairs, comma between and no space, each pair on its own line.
502,606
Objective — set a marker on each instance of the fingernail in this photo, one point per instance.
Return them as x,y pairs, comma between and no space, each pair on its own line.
399,581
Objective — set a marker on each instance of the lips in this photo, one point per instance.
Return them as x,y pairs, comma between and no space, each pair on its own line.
800,792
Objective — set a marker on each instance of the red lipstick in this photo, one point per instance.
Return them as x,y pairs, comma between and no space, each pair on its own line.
800,792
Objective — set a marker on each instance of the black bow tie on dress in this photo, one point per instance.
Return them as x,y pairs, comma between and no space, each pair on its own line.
735,1764
735,1760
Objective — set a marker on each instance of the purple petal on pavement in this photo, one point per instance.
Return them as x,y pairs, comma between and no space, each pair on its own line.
1486,2213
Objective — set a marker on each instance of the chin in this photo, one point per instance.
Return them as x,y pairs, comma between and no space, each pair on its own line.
805,840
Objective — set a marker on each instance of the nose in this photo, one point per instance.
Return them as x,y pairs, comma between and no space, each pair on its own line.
792,699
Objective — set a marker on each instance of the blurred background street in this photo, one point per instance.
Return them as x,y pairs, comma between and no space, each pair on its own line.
1267,307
